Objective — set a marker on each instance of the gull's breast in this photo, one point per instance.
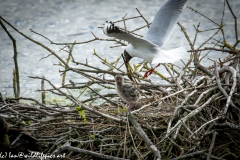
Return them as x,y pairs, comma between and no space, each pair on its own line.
146,53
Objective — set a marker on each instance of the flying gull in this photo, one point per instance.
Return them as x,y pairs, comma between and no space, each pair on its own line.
149,47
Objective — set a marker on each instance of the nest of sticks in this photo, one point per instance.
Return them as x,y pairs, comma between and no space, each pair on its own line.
196,115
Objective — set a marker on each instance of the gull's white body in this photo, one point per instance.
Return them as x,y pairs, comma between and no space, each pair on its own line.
154,54
150,47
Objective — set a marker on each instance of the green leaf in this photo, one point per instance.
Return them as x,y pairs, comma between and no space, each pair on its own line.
78,108
6,140
28,122
81,113
91,137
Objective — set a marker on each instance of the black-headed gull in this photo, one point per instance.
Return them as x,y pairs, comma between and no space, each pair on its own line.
149,48
127,92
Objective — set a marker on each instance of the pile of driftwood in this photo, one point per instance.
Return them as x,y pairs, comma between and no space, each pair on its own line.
196,115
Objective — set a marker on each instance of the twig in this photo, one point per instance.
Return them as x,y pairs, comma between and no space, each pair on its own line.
190,155
16,71
199,66
215,49
222,90
202,15
142,134
211,145
77,103
87,152
143,17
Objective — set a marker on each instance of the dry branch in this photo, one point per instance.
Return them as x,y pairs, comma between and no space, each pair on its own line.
194,114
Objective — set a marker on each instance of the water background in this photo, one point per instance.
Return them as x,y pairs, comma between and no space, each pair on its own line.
59,19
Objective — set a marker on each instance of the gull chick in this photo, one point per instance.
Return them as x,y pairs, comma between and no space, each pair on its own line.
149,48
127,92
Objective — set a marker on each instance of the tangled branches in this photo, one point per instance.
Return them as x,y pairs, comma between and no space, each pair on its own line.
196,114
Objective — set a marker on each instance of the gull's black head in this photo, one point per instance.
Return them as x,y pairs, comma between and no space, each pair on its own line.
126,56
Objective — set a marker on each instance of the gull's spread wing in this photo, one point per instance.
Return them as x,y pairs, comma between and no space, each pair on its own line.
114,31
164,21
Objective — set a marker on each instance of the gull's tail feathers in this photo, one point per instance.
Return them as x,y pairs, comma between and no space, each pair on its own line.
170,56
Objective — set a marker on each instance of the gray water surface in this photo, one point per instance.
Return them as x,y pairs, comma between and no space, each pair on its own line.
60,18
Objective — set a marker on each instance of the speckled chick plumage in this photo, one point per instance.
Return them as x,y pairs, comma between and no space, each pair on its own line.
126,92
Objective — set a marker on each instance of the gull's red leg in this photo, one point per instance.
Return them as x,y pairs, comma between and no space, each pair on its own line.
157,65
149,72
